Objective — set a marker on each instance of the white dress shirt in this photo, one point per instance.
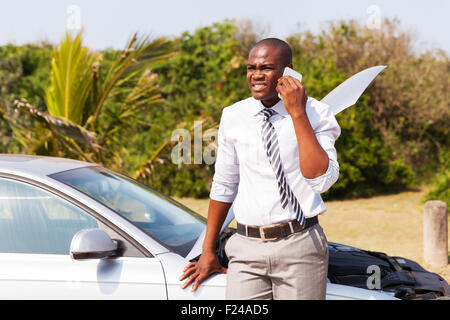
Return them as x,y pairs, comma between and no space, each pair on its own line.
244,176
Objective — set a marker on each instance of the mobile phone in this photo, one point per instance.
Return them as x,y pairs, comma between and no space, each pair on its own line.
291,72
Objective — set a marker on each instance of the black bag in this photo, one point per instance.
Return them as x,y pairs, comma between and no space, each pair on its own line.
405,278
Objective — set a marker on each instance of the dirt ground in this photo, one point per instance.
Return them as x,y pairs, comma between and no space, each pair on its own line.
392,224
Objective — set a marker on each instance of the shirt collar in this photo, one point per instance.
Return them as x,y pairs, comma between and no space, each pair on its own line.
278,107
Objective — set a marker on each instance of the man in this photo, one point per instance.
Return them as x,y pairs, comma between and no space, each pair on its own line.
274,159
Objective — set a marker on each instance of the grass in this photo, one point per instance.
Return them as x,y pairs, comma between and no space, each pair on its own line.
392,224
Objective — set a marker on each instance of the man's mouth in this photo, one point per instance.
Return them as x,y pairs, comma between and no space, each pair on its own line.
258,87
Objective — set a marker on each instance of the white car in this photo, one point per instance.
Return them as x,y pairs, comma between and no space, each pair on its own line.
75,230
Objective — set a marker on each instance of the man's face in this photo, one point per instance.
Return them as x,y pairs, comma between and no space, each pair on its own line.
265,66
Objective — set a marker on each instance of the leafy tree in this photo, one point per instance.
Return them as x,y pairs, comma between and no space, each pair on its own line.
367,166
410,98
24,72
206,75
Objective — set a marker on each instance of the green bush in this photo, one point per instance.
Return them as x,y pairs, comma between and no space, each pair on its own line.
366,164
441,184
24,73
182,181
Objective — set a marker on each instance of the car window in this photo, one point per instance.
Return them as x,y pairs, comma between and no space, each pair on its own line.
172,224
33,220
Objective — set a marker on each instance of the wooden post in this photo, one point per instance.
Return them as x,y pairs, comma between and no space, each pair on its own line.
435,233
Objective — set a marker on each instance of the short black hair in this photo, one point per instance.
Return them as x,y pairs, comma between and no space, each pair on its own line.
285,49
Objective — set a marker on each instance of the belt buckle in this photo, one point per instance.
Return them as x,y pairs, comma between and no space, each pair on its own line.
263,235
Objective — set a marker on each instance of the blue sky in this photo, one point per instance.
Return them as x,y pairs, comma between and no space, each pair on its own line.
111,23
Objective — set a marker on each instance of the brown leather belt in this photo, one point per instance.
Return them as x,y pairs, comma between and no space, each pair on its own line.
274,232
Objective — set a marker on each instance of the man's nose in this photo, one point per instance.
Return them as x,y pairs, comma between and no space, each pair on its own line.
258,75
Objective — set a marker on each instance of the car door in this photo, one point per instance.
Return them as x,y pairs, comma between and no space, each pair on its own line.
36,229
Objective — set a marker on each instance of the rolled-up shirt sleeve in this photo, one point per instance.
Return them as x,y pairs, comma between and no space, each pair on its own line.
327,130
226,176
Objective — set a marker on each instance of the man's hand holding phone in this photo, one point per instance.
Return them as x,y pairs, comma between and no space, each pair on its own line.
292,92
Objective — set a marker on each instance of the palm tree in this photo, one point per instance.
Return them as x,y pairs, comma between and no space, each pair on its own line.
79,122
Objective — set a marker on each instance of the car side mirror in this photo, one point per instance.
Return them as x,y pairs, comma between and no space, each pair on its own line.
92,244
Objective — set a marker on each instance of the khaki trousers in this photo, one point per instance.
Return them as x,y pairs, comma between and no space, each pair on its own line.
294,267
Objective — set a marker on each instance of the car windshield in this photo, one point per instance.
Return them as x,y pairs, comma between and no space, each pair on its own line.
171,223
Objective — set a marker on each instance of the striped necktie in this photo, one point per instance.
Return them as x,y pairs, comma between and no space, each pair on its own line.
270,141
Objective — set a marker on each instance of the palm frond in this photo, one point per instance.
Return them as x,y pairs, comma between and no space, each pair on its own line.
71,80
61,127
138,54
142,96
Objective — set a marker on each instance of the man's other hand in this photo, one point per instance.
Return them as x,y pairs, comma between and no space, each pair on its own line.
197,272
